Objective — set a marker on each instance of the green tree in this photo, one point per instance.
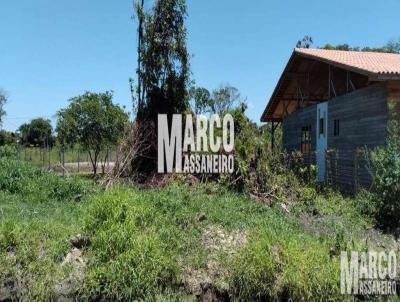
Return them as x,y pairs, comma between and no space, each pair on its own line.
37,133
92,121
200,100
7,138
392,46
306,42
226,98
164,69
3,101
163,73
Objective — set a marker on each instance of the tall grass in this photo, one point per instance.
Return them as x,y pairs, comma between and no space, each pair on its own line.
35,185
33,242
144,241
144,244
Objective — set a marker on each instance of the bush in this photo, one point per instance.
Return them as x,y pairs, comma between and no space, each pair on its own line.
7,138
8,151
275,179
366,203
272,176
386,187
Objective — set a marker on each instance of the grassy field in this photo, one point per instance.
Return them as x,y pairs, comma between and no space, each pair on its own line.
171,244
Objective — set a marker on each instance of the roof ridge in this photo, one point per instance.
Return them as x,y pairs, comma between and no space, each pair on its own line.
297,49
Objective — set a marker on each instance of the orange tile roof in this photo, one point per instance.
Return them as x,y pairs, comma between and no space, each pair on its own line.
364,62
377,66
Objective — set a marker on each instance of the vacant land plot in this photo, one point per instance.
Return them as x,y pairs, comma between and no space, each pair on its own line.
65,238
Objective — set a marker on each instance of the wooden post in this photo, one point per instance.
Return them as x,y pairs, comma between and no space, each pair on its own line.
309,165
44,156
116,155
63,161
107,156
272,135
356,171
336,167
329,82
78,160
49,152
327,167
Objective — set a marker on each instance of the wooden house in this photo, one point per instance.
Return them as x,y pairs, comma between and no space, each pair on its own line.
333,103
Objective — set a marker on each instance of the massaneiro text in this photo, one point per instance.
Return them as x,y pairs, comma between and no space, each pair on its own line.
197,151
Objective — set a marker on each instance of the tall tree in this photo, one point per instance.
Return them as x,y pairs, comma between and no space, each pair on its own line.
306,42
225,98
393,46
7,138
141,18
163,71
164,66
94,122
3,101
37,133
200,100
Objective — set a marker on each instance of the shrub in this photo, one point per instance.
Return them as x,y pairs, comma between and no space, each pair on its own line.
7,138
366,203
272,176
275,179
8,151
386,187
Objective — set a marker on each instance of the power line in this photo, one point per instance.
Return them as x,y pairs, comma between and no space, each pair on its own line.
29,117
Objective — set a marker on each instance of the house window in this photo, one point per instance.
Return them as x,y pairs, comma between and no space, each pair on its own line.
336,128
321,126
305,139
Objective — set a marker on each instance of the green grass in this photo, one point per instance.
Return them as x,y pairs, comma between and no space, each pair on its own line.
35,185
33,242
151,245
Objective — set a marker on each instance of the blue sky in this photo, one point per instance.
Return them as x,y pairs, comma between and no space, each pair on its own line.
53,50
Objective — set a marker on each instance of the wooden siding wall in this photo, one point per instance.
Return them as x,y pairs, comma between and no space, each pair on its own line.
292,128
362,116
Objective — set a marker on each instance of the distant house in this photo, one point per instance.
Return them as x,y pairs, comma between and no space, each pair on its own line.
332,103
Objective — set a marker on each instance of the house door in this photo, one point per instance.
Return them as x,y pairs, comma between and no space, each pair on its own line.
322,139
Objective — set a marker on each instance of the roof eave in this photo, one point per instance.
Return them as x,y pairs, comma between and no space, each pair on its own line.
263,118
385,77
270,119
